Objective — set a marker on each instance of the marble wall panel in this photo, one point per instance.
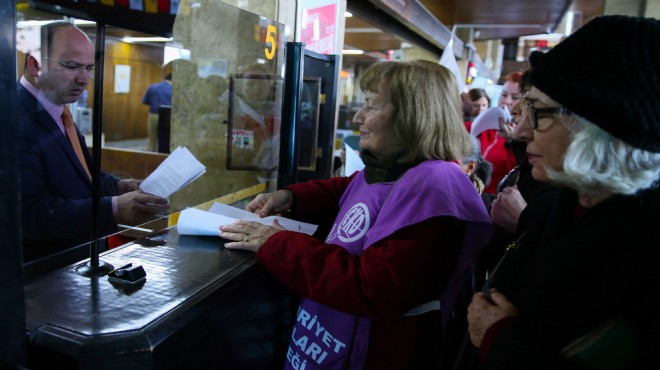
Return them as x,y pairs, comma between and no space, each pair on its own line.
221,39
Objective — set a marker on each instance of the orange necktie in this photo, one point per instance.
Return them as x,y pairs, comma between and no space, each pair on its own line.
71,133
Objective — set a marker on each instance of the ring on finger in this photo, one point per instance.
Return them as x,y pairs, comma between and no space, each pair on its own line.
245,238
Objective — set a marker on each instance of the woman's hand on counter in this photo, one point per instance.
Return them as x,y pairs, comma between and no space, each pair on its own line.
248,235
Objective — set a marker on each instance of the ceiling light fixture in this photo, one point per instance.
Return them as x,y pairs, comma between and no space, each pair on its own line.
363,30
35,23
352,52
146,39
484,26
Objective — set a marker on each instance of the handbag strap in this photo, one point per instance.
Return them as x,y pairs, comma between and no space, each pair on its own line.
509,249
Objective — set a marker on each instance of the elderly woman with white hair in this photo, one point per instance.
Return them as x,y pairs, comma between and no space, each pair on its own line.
580,287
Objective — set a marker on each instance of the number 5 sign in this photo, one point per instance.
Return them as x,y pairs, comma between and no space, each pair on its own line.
271,36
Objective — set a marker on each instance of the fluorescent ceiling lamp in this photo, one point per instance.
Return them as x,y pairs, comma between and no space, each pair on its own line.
352,52
26,24
171,53
348,14
569,23
82,22
146,39
363,30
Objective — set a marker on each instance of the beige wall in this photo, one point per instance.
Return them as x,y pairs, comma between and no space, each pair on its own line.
653,9
642,8
124,115
625,7
416,52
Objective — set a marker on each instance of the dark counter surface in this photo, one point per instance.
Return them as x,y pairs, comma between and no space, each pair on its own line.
182,268
66,312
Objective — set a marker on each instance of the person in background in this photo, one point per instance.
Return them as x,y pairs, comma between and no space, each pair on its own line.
585,269
341,170
476,168
466,105
493,142
405,231
477,102
56,187
510,94
513,193
480,101
518,187
156,95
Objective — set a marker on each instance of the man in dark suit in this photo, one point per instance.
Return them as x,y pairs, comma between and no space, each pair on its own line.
56,188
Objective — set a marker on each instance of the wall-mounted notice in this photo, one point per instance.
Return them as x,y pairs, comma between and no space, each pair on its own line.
122,79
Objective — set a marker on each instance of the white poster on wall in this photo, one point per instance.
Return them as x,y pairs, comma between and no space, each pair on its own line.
122,79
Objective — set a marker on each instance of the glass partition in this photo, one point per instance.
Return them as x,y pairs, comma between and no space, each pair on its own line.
224,68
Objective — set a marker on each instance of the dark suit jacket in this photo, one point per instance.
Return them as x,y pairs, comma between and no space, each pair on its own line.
56,194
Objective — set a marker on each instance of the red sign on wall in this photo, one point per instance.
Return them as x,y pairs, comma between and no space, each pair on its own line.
318,29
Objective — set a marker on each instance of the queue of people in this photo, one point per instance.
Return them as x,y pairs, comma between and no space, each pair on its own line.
574,290
157,95
576,287
584,262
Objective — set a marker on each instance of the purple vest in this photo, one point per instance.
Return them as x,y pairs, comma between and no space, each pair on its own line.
324,338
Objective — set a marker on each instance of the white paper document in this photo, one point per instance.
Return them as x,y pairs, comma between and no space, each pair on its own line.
489,120
353,161
193,221
178,170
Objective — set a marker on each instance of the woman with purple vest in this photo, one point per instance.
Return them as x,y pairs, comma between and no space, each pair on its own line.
379,289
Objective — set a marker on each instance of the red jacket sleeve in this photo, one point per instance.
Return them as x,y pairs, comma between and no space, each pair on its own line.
319,195
391,277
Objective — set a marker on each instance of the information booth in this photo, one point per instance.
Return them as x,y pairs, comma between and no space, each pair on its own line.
199,305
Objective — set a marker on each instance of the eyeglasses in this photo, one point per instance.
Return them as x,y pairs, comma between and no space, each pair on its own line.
74,67
532,113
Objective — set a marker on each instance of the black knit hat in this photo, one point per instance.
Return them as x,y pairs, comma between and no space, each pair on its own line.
608,72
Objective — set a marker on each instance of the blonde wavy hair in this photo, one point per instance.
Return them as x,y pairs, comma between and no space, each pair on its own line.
427,120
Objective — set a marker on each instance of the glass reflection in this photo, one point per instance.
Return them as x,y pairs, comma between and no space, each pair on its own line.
199,60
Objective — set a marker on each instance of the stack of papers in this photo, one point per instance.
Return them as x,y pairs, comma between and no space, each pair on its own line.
194,221
177,171
490,120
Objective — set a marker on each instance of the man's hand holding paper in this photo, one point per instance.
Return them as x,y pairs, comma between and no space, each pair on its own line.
136,207
177,171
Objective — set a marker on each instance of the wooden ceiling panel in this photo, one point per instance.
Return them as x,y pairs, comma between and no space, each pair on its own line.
491,17
360,34
372,41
